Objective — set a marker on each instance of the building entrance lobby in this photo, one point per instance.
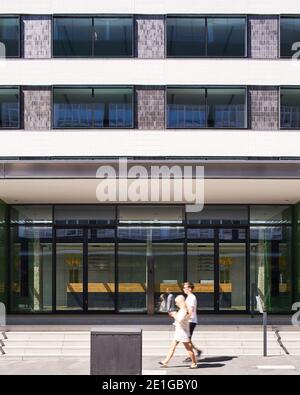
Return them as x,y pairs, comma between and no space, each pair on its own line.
127,259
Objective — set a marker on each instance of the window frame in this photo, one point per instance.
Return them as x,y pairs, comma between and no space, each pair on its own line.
206,17
20,108
93,17
284,16
290,87
18,17
53,87
206,87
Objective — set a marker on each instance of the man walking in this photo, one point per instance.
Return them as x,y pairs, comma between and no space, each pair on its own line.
191,302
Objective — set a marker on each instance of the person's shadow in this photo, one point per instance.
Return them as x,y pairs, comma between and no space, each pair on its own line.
216,359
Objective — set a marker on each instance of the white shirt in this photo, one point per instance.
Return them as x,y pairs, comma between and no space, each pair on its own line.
191,301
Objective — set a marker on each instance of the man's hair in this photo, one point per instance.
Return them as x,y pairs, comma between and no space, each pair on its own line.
190,285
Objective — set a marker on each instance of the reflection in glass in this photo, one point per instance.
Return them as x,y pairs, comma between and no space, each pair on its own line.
290,108
31,269
9,108
226,107
150,214
200,263
186,108
72,36
84,215
185,36
271,264
270,215
101,276
226,37
132,276
206,107
93,107
69,276
232,274
219,215
31,214
168,273
113,37
289,34
9,36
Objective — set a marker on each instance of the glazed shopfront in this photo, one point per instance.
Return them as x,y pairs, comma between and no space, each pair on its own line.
124,258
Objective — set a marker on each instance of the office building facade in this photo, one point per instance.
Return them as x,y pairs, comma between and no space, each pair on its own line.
89,84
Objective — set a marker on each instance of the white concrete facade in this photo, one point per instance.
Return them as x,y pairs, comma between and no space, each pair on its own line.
150,6
149,72
182,143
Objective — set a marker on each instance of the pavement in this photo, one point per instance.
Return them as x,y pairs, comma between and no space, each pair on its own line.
227,341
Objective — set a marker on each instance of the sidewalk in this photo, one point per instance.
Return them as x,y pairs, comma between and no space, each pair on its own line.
155,322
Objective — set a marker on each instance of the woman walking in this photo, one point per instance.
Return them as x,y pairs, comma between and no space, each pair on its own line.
182,333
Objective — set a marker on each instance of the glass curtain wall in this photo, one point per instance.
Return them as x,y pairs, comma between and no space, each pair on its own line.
31,259
3,252
201,265
296,238
135,258
271,255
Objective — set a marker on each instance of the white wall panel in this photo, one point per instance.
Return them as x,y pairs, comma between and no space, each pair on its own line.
149,6
149,72
187,143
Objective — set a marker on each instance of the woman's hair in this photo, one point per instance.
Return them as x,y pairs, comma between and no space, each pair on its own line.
180,300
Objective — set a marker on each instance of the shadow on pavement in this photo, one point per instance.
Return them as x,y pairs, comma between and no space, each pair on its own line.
200,366
216,359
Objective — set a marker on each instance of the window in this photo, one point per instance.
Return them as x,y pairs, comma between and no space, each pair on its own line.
186,37
88,37
290,108
9,37
226,37
226,107
9,108
212,37
31,268
72,37
206,107
113,37
107,107
289,34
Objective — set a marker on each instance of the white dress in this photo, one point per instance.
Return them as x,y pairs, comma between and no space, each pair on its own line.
182,328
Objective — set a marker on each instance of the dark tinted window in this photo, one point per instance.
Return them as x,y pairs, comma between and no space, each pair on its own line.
206,107
93,107
72,36
9,107
290,108
226,37
289,34
186,36
186,108
113,36
226,107
9,36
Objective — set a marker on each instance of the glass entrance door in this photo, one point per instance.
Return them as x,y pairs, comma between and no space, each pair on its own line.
216,264
232,269
150,267
69,270
85,269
